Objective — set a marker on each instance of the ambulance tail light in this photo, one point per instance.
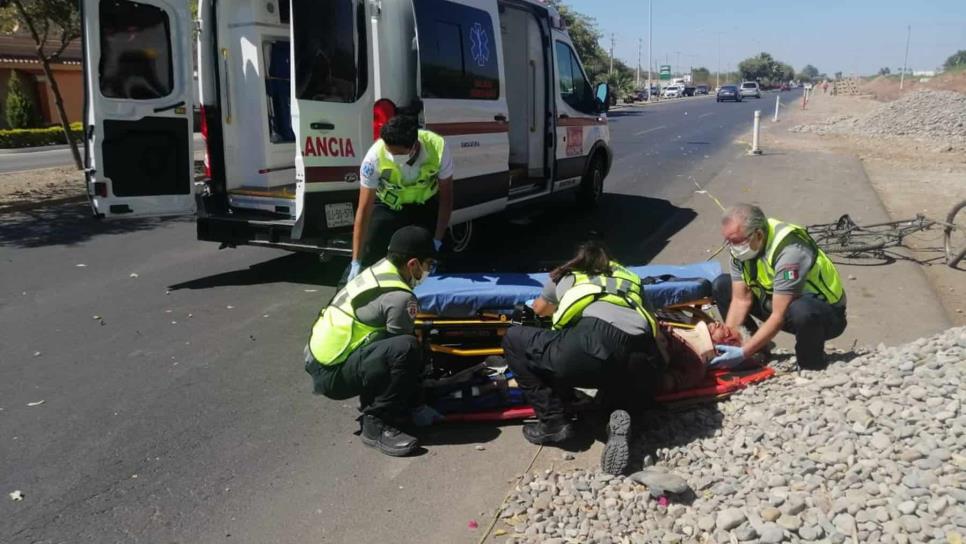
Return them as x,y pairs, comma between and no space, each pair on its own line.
382,111
204,135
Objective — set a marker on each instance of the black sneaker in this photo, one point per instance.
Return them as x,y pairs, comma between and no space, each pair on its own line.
617,452
547,433
386,438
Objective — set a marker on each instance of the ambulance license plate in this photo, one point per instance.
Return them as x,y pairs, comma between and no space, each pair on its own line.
339,215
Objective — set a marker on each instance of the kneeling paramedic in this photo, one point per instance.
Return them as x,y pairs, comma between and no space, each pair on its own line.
406,179
781,276
603,337
363,343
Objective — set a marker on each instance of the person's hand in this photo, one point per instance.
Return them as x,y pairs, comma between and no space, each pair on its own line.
728,356
354,270
438,244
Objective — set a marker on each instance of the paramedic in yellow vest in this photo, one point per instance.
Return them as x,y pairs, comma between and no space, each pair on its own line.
603,337
363,342
780,276
406,179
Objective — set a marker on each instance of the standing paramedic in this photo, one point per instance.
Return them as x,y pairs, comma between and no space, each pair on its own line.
363,342
603,337
781,276
406,179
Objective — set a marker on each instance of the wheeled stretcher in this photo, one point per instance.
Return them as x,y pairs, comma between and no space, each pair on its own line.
463,318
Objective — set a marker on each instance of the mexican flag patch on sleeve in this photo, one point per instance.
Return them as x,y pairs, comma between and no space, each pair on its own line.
790,275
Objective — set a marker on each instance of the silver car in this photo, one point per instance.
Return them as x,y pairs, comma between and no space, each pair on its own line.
750,88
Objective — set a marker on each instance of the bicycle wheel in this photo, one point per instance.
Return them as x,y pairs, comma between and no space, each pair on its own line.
851,243
954,235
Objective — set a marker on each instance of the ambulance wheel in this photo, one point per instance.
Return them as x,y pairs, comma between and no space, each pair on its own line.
460,236
592,186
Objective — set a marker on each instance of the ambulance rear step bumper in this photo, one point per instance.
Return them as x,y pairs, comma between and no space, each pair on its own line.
231,231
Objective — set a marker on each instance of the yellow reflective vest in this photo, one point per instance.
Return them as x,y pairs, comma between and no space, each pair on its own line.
621,288
759,273
394,191
338,332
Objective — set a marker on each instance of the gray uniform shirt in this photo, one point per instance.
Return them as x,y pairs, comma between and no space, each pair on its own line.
394,310
793,260
624,319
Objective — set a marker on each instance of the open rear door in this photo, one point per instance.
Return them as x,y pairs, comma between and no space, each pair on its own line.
138,112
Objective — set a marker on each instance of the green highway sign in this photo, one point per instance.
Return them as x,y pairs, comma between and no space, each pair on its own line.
665,71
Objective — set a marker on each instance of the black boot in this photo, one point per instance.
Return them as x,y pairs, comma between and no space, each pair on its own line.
617,452
548,432
386,438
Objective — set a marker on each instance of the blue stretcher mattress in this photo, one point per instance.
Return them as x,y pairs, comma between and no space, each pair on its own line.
466,295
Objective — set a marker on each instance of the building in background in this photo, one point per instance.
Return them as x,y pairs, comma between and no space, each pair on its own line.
17,53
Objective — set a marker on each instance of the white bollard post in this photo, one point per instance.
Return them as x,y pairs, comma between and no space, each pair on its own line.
754,137
778,103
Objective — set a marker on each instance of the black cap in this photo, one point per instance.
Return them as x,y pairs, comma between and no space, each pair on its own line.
412,241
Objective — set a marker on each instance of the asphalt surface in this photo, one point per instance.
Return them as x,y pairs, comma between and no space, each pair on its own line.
173,406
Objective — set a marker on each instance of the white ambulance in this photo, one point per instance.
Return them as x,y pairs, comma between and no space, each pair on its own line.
293,93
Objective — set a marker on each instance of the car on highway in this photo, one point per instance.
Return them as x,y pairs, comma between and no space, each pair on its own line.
701,89
728,92
672,91
750,88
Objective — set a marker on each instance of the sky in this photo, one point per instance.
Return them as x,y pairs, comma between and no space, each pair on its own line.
856,37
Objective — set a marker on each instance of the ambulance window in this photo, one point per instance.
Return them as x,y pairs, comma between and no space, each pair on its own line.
331,57
574,87
278,87
457,51
135,58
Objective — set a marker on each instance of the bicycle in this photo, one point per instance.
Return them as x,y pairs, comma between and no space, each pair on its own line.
846,237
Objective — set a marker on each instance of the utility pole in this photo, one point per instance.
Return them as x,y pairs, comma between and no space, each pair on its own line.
717,73
640,44
611,54
905,60
650,60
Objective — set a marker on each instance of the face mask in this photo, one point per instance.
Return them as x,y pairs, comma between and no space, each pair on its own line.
401,160
414,282
743,252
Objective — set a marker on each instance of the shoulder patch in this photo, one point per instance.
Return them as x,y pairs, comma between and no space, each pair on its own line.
788,272
413,308
368,168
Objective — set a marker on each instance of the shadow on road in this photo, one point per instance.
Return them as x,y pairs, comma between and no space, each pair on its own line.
293,268
68,224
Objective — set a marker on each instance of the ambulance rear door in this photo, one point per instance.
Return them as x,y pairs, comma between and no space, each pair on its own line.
464,97
138,107
332,100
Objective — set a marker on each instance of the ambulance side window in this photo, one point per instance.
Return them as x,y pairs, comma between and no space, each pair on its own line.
135,58
278,87
330,50
457,51
574,87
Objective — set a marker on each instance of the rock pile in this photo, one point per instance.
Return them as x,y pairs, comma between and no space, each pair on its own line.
926,114
871,450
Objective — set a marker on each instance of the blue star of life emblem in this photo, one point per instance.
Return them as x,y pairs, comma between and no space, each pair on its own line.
480,45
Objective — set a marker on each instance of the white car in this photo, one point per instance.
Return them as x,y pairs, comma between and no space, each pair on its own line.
750,88
673,91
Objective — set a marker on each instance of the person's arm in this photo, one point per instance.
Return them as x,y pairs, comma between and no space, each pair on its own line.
400,309
771,327
445,207
741,302
546,304
367,200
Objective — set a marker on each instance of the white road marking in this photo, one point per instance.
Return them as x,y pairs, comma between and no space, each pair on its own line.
705,114
649,130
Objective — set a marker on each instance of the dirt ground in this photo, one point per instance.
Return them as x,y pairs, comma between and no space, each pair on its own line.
39,186
911,177
886,88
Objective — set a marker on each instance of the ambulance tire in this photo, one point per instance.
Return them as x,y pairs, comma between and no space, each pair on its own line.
592,186
459,237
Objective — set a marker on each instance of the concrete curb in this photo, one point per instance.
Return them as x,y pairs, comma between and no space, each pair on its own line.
26,206
20,150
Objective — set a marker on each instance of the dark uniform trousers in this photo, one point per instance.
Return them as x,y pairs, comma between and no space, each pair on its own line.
811,319
592,353
384,222
384,374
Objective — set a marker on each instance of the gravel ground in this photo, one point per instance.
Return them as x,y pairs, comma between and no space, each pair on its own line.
871,450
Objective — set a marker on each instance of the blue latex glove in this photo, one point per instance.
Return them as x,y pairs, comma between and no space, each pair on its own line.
729,357
426,415
354,270
438,244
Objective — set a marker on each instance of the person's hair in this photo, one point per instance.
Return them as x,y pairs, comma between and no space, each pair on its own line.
401,130
399,260
591,259
749,216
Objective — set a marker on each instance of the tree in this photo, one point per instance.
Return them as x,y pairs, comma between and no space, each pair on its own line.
53,25
19,107
956,60
884,71
585,36
702,75
808,73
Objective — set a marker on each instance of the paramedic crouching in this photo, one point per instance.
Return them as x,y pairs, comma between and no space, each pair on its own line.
781,276
603,337
406,179
363,344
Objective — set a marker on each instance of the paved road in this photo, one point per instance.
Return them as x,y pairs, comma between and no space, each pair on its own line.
48,158
174,406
